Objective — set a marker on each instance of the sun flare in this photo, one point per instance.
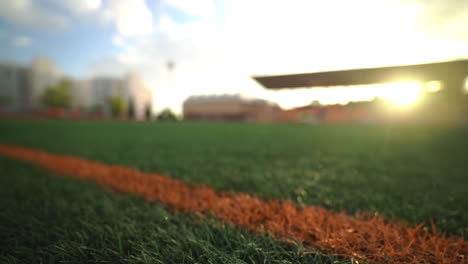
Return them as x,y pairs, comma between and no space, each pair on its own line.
403,94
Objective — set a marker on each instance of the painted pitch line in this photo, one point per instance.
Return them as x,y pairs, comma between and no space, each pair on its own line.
361,237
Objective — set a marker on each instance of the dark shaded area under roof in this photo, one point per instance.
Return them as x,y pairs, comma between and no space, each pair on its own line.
452,73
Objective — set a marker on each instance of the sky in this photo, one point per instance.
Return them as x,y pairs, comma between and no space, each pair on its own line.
217,45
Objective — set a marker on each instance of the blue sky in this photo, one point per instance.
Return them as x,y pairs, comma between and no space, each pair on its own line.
73,46
218,44
67,48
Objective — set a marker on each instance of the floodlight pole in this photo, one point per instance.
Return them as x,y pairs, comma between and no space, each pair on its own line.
170,68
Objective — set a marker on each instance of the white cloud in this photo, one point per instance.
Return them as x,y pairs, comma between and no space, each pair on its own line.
202,8
79,6
132,18
22,41
29,13
118,41
105,16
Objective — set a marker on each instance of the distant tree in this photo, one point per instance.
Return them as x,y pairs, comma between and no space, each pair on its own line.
57,96
166,115
118,106
148,112
131,109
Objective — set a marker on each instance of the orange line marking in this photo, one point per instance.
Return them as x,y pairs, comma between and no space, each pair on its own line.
363,237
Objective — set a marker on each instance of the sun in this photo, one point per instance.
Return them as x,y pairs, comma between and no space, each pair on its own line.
403,94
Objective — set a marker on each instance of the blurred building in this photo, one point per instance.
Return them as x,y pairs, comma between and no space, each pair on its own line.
229,108
10,87
101,88
22,86
42,74
82,93
131,88
138,96
313,114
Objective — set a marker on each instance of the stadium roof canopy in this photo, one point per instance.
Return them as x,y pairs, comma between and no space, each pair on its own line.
450,71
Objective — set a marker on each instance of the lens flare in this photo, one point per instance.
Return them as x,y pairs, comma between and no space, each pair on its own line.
403,94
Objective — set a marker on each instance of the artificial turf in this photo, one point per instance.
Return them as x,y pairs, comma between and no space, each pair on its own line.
48,218
363,237
406,172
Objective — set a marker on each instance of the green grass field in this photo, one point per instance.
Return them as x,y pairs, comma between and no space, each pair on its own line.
50,219
412,173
